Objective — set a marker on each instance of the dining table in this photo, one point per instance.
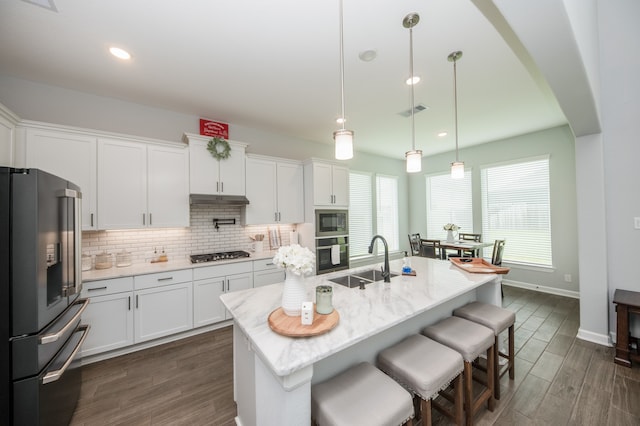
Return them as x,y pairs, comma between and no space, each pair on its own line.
460,245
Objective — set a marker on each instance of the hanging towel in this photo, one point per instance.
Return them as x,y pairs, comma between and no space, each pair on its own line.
335,254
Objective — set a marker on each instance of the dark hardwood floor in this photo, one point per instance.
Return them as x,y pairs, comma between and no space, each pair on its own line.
560,380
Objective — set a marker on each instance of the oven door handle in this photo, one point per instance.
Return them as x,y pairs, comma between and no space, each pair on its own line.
329,247
52,376
49,338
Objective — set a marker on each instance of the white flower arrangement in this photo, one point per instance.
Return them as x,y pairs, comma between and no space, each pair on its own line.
295,258
451,227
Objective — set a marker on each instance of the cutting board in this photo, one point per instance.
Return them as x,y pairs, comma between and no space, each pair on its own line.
477,265
283,324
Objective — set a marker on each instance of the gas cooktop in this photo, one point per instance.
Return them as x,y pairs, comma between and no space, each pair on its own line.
223,255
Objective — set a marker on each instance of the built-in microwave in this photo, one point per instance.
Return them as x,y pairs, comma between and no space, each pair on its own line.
331,223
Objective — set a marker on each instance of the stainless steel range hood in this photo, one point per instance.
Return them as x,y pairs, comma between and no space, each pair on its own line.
221,200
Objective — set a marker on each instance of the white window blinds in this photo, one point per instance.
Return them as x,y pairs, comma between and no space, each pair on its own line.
387,210
516,207
360,213
448,201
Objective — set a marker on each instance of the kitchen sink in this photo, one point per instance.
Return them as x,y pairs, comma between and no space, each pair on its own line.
365,277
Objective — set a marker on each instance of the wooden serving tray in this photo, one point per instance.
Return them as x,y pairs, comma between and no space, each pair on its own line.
477,265
285,325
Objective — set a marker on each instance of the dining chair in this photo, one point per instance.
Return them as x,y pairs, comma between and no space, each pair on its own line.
496,257
432,249
415,244
476,238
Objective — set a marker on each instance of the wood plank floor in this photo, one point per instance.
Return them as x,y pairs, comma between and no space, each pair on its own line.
560,380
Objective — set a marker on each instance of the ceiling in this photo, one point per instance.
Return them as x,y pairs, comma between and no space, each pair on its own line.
274,65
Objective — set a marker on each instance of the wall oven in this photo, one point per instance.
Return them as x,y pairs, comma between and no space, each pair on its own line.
332,254
40,309
331,223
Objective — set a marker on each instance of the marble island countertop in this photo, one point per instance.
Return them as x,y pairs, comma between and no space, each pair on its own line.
363,313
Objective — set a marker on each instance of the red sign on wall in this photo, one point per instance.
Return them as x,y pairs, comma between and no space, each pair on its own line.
213,128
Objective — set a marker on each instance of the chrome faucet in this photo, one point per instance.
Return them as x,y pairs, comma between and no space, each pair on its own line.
385,271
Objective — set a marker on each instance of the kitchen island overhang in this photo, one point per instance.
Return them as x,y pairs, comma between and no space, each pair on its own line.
273,373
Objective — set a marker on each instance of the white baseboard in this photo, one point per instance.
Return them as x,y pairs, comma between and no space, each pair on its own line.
589,336
542,289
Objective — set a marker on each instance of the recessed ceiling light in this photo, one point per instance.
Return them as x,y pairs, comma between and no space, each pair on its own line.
415,80
368,55
442,134
119,53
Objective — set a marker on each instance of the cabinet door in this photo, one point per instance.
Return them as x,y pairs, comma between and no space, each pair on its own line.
290,191
163,311
70,156
261,192
168,186
238,282
111,321
340,185
207,307
122,184
322,184
203,169
232,173
267,277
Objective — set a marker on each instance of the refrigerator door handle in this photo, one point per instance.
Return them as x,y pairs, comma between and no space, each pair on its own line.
76,197
52,376
49,338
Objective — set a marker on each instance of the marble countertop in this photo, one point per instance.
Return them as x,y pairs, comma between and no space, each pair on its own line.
171,265
363,313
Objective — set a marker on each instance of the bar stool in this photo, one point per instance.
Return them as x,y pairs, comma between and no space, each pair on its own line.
470,340
361,395
426,368
498,319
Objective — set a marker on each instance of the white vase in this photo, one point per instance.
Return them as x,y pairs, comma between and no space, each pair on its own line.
450,236
293,294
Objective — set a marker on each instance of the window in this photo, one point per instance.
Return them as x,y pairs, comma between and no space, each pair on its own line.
360,213
448,201
516,207
387,210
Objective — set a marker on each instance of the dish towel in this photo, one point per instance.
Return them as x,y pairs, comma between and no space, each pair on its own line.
335,254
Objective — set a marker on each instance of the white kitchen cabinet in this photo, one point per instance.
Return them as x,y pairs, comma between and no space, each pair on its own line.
209,282
163,304
109,314
208,175
329,184
71,156
275,191
8,123
141,185
265,272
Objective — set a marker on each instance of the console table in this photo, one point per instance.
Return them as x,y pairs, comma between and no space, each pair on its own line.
627,302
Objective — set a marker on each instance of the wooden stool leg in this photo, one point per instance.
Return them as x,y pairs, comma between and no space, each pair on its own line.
496,367
512,358
426,412
459,397
490,377
468,392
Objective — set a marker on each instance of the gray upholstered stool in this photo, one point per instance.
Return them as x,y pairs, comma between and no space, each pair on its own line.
498,319
470,340
426,368
361,395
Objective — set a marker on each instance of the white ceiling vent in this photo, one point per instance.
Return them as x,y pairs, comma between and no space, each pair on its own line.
416,109
47,4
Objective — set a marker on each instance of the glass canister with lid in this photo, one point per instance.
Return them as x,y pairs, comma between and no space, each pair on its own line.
104,260
123,259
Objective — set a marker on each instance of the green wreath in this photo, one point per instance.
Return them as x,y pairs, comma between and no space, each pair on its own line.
219,148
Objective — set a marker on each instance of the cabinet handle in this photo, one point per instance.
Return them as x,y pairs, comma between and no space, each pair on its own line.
136,301
221,186
223,286
129,302
279,216
275,216
217,186
270,264
143,219
165,279
150,219
227,285
92,219
97,288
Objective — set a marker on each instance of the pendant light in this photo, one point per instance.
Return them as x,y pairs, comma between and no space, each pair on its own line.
414,157
343,137
457,167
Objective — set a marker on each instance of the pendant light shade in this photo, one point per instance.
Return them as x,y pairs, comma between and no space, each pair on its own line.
457,167
343,138
414,157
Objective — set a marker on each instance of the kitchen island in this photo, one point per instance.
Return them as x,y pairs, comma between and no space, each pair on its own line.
273,373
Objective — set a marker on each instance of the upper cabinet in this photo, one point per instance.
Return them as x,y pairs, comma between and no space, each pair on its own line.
327,184
275,191
71,156
8,123
142,185
208,175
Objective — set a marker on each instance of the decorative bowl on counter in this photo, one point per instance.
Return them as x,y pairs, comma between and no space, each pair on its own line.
104,260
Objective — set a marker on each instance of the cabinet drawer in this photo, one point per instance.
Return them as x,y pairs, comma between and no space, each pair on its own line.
162,278
267,277
264,264
110,286
222,270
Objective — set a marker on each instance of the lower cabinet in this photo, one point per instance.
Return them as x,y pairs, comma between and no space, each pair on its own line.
162,311
265,272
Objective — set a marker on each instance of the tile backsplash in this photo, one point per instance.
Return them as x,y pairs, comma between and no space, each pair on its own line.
179,243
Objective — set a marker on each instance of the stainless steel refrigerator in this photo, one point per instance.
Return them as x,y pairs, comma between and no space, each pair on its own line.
40,309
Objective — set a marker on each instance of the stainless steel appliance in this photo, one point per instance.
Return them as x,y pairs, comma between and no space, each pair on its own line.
330,223
222,255
332,254
40,281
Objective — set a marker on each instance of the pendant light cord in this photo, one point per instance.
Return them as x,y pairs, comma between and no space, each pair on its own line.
342,62
413,125
455,103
